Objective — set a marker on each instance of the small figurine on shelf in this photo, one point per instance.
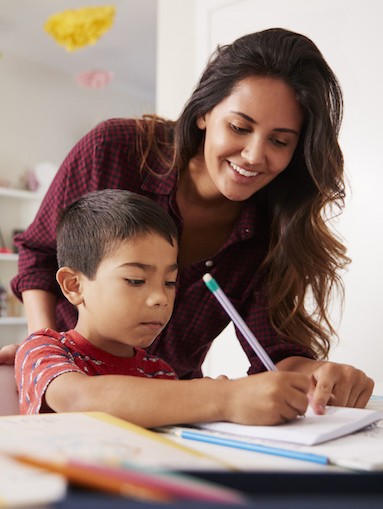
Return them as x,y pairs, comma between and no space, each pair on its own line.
3,247
4,182
29,180
3,301
15,232
14,306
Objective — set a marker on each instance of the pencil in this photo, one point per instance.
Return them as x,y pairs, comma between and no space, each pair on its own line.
128,483
125,480
211,438
218,293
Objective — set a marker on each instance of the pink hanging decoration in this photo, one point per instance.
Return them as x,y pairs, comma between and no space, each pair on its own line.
95,79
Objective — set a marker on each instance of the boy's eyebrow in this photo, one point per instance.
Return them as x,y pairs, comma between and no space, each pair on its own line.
278,129
147,267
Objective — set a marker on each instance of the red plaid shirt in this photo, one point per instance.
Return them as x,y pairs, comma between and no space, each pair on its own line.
107,158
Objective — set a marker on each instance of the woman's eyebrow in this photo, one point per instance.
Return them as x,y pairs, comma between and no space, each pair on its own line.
252,121
243,115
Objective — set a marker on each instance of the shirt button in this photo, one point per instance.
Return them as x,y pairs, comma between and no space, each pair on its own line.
209,263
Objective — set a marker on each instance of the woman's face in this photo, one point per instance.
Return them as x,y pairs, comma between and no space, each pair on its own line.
250,137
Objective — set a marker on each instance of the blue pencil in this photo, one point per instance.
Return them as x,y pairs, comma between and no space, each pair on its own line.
218,293
248,446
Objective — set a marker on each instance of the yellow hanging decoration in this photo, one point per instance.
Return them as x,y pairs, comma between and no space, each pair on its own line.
76,28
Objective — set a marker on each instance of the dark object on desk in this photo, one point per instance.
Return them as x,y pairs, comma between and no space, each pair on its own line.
282,483
269,490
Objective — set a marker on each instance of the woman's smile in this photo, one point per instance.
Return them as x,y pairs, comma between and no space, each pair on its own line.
242,171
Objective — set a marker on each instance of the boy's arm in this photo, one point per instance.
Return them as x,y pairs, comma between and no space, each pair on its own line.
49,379
266,398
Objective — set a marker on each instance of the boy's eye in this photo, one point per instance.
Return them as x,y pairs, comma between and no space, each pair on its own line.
135,282
171,284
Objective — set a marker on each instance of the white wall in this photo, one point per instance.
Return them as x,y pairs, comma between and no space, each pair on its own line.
176,55
348,34
43,113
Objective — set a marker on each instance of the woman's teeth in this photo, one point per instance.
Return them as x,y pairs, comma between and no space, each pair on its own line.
243,172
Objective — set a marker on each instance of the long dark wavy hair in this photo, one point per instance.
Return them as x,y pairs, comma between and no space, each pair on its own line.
305,256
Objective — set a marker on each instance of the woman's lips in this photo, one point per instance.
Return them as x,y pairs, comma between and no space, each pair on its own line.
242,171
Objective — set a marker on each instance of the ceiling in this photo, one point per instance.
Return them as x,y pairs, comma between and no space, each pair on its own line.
128,49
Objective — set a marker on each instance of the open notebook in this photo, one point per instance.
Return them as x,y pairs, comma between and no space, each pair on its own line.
345,437
308,430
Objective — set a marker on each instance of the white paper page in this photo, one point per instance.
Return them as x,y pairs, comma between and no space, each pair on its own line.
96,437
308,430
23,486
362,450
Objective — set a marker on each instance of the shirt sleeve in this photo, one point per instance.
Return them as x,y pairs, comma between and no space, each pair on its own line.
39,360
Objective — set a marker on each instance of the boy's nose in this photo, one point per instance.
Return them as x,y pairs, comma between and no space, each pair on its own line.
158,297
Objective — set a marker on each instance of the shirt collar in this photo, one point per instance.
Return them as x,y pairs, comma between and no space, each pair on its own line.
249,222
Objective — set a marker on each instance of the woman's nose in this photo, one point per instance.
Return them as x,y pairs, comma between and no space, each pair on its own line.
254,151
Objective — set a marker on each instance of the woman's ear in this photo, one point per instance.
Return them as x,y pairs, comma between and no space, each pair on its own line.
201,123
70,284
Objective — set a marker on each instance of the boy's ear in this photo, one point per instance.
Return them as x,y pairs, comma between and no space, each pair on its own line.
70,283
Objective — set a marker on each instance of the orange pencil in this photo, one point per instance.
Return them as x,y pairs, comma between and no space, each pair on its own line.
101,478
128,481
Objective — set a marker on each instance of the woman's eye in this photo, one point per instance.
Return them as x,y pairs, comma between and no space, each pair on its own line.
238,129
135,282
171,284
279,143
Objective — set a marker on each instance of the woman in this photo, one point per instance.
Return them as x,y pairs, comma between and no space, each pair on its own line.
249,172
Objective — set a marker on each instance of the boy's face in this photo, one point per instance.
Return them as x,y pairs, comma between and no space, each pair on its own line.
131,298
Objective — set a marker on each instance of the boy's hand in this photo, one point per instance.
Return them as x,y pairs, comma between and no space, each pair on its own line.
7,354
267,398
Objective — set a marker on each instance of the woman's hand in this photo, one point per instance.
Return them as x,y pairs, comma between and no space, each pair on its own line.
339,385
7,354
332,383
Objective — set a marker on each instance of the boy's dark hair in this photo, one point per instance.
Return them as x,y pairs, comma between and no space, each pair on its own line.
91,227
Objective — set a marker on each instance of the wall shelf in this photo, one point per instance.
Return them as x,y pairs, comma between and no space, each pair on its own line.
19,193
13,320
9,257
18,207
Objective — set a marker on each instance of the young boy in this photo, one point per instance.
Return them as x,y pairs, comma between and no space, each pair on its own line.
117,257
117,253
